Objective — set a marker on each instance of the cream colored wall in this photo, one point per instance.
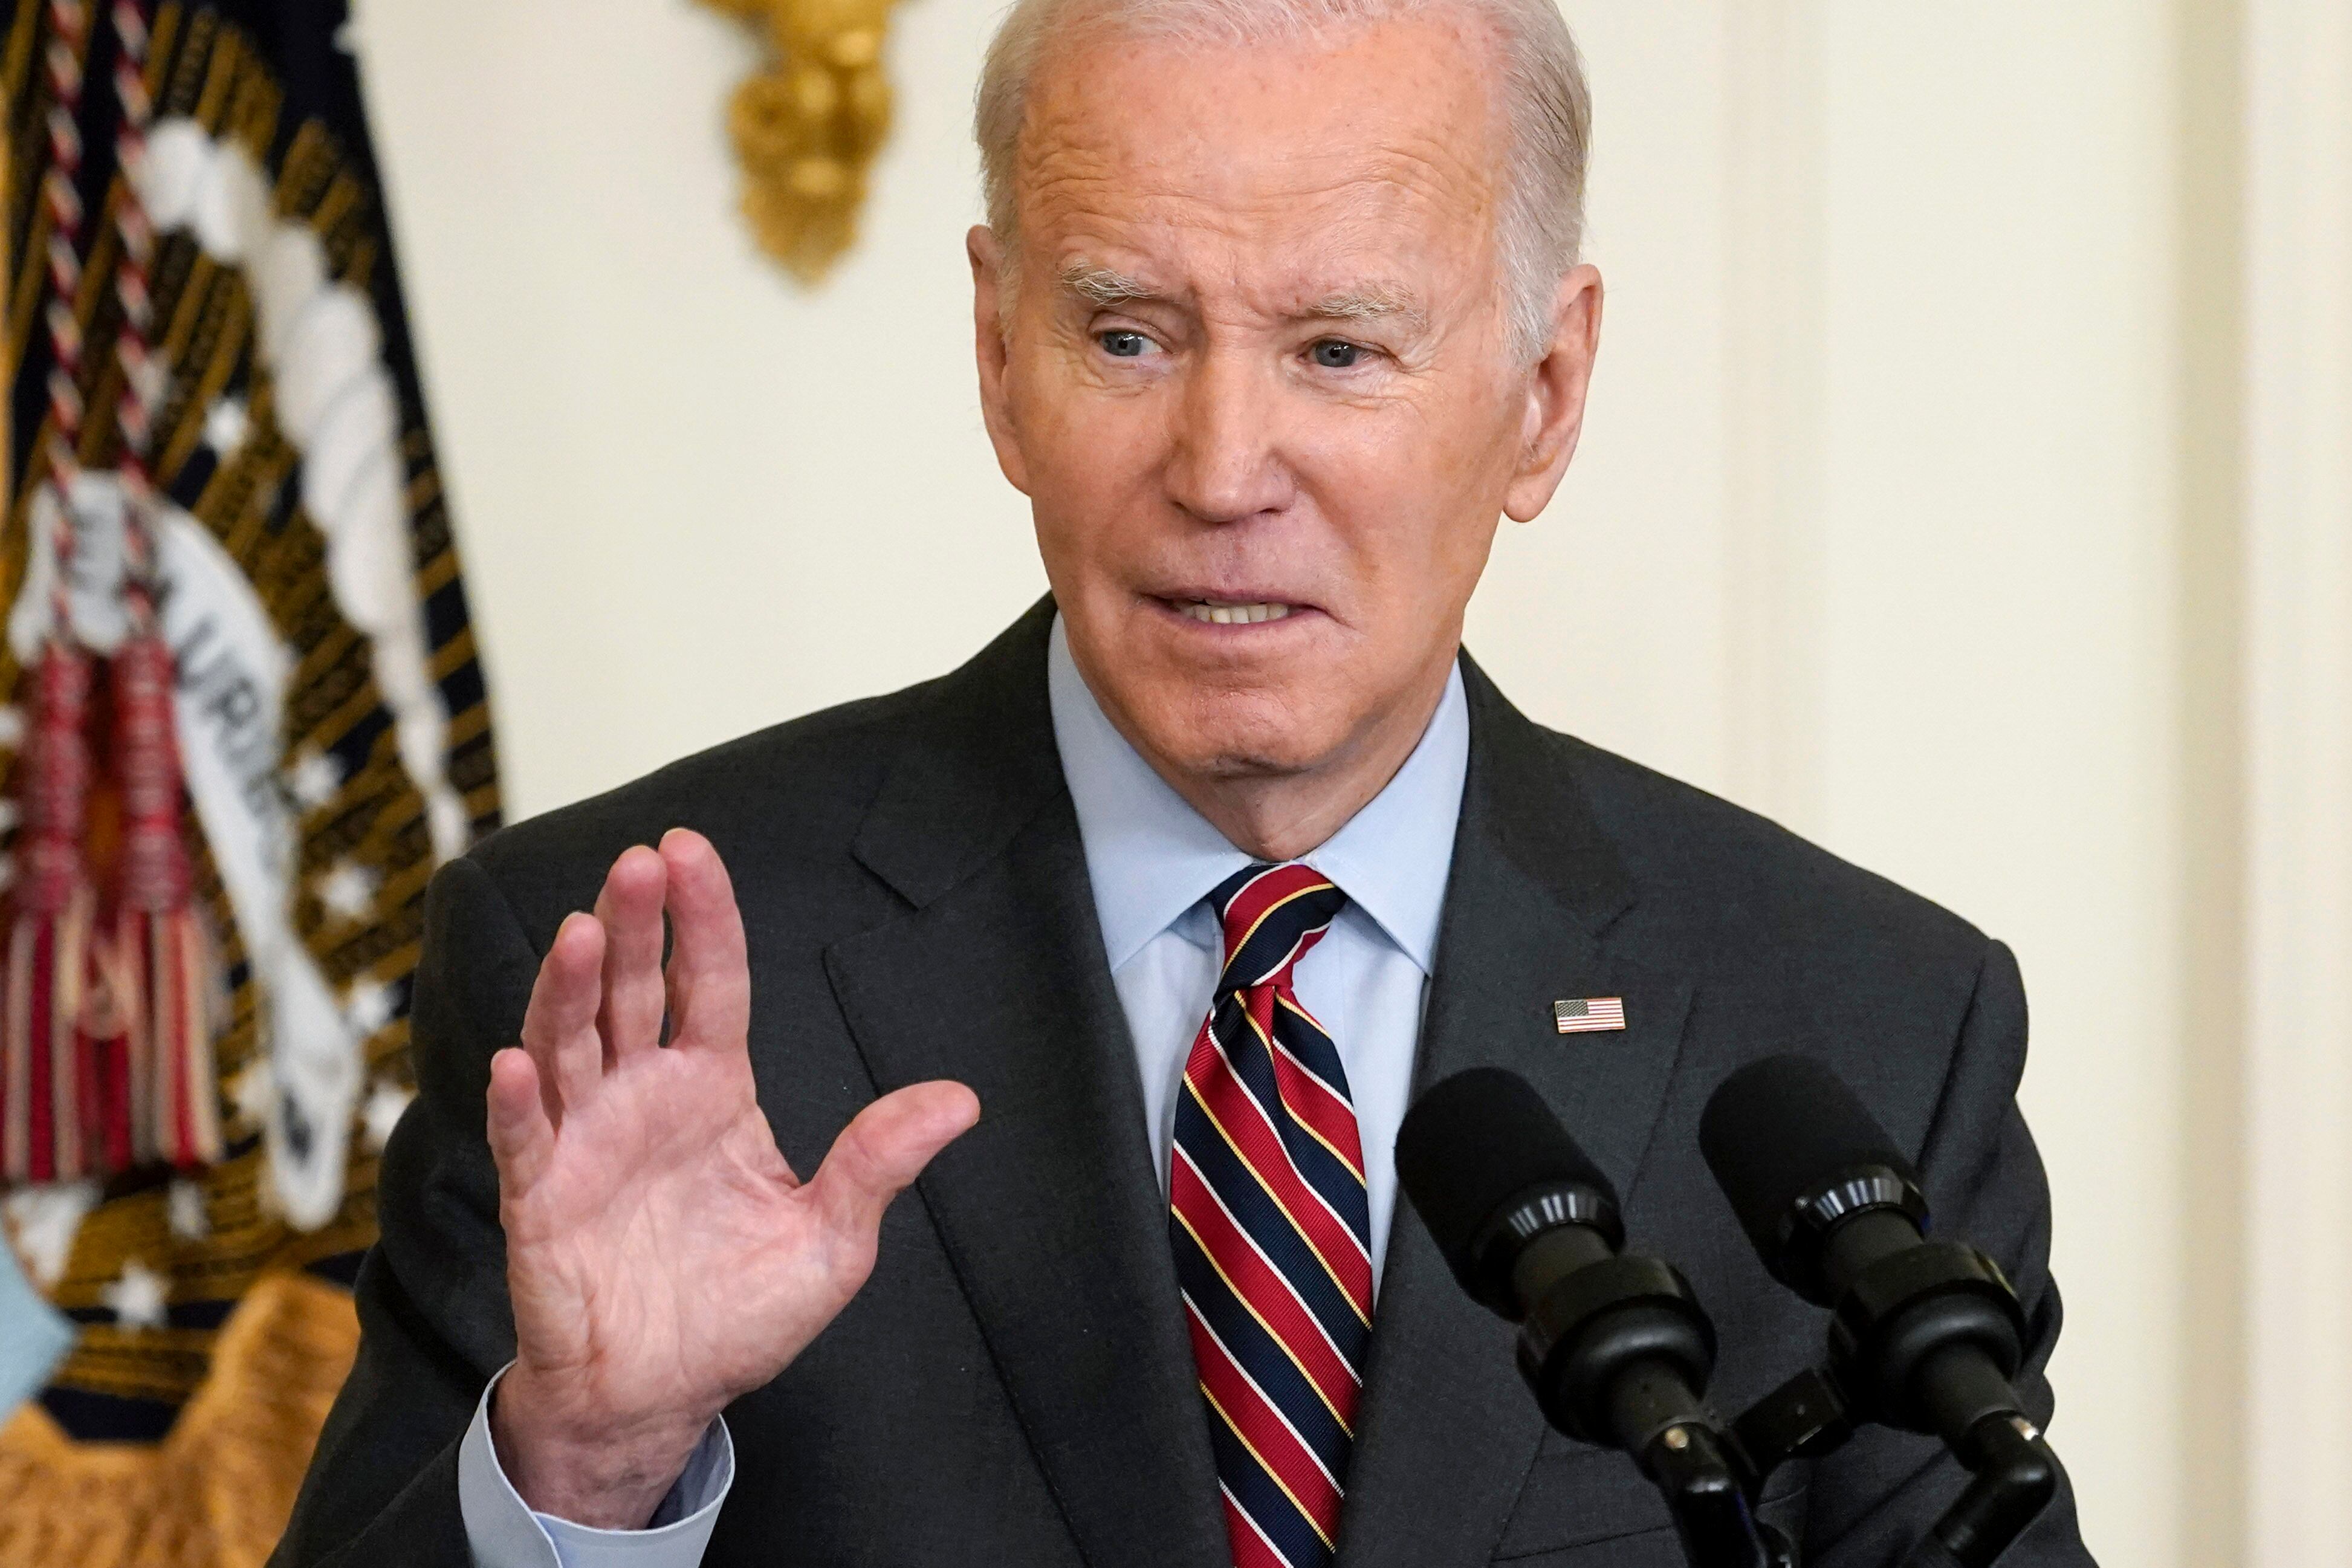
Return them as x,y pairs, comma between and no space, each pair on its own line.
696,502
2295,499
1998,641
1878,524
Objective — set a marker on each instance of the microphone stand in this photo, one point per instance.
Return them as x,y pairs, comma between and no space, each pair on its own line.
1622,1353
2013,1473
1619,1352
1702,1475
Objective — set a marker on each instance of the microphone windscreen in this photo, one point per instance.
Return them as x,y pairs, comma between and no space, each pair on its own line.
1475,1141
1779,1129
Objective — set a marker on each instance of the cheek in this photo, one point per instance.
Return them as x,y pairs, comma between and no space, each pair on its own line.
1414,500
1090,453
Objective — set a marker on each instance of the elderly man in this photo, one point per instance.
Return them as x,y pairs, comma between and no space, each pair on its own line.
1278,312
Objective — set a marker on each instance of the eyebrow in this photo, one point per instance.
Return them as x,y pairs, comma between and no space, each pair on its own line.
1103,287
1106,286
1370,302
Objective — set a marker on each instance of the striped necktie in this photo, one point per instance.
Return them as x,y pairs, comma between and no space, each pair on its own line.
1272,1232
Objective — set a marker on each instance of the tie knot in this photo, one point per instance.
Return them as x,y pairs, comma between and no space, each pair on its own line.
1272,915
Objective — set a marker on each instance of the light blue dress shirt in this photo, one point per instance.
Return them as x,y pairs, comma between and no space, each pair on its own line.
1152,860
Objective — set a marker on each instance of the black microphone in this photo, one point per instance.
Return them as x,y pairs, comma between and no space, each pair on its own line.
1927,1335
1615,1347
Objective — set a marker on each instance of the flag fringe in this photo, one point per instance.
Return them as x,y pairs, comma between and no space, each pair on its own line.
158,955
110,1007
51,1083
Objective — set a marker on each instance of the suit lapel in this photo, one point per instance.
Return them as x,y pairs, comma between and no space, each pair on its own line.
1448,1431
1049,1208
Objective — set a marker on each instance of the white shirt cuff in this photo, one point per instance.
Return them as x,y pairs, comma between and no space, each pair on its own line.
504,1531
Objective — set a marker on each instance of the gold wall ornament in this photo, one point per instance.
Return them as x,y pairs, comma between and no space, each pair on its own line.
806,127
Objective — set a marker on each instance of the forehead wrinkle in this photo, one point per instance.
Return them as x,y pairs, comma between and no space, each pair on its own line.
1072,157
1352,187
1155,161
1212,253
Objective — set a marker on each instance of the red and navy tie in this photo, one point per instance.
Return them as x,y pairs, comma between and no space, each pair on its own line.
1272,1232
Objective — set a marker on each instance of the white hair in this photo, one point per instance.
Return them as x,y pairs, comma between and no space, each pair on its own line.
1548,110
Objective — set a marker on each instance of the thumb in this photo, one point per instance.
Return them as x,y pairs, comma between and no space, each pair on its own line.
885,1148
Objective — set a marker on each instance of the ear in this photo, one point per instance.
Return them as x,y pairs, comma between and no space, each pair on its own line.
989,303
1556,392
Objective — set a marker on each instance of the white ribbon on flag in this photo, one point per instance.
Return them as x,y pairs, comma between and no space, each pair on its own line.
337,404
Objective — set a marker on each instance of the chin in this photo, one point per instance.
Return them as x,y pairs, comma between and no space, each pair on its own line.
1251,738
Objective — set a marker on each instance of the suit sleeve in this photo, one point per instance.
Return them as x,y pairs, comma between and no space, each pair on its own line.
1876,1498
434,1323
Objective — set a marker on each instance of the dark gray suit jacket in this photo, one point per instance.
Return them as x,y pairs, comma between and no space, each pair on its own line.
1014,1385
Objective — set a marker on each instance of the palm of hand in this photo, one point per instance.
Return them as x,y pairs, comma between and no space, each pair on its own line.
662,1257
667,1254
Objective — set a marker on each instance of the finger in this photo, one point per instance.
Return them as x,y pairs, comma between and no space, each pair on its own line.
709,986
522,1140
630,911
885,1148
559,1027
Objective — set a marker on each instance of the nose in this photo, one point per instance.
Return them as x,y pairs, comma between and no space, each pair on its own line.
1226,464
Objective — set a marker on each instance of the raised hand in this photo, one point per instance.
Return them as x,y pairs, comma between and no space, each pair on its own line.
661,1257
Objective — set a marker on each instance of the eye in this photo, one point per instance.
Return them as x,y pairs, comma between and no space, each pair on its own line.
1124,344
1333,353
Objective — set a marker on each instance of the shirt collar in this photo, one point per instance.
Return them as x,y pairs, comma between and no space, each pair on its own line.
1151,857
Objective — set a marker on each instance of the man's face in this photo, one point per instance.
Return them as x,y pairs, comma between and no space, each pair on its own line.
1257,383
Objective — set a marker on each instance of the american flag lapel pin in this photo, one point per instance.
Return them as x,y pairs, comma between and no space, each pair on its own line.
1589,1014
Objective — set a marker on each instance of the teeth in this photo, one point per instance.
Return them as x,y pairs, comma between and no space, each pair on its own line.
1232,614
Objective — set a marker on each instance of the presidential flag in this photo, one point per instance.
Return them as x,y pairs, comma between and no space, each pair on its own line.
243,724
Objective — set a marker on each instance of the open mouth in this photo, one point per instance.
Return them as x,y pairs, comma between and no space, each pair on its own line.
1226,613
